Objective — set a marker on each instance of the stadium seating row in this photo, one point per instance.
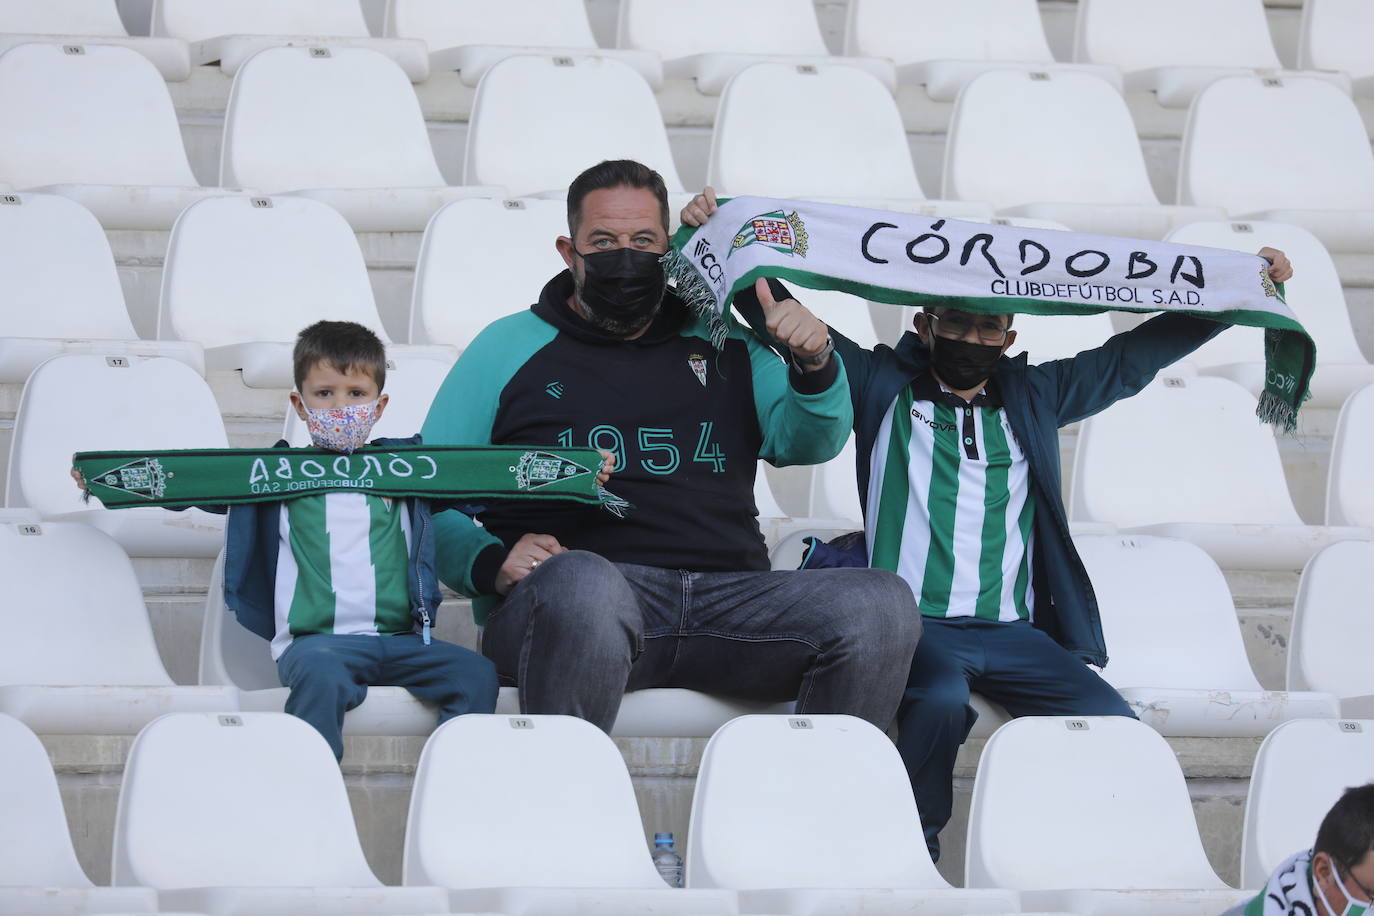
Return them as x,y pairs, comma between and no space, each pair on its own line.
343,126
242,275
1173,52
1178,655
1050,825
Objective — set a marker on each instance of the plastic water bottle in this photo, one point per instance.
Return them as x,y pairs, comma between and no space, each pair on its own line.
666,860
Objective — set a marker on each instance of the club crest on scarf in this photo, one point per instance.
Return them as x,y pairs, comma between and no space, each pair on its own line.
539,469
778,230
144,478
341,429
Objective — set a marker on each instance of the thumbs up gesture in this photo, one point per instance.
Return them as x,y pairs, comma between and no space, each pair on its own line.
792,325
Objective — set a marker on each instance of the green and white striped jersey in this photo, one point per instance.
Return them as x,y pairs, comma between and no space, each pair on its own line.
950,507
342,563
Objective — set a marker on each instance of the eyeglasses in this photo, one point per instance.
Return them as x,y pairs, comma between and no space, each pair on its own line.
956,327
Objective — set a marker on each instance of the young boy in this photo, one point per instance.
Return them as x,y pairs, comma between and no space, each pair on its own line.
342,582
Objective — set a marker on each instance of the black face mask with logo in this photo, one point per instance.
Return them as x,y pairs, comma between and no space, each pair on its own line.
962,365
622,288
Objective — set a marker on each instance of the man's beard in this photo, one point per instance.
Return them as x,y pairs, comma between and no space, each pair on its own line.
616,327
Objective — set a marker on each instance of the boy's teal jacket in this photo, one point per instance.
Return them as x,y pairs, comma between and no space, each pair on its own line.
252,539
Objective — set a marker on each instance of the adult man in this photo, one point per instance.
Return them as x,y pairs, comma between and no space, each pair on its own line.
676,592
1333,878
958,466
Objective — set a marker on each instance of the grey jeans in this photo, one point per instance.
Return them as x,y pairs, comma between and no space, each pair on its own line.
579,631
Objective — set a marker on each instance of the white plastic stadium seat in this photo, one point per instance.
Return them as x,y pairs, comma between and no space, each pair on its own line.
1091,816
92,668
1336,35
481,260
944,45
62,291
233,32
233,655
1302,768
667,712
1187,458
1177,655
1316,298
39,873
471,35
1059,146
712,40
342,126
486,784
1332,627
788,131
836,781
80,402
1231,154
87,22
244,275
1349,500
1175,48
539,121
246,813
96,124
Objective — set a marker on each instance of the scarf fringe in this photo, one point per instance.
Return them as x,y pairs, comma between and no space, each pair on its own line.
693,290
1278,413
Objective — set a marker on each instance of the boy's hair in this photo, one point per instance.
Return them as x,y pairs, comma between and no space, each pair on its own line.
1347,832
345,345
615,173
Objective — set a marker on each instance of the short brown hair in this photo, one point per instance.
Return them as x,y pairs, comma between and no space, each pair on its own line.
345,345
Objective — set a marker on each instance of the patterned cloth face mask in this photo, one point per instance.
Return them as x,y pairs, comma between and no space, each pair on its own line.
341,429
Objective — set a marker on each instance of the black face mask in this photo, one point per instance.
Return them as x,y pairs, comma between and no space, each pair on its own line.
621,288
962,365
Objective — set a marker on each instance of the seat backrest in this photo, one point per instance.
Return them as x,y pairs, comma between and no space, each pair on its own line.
197,20
245,800
767,782
1087,802
411,384
481,260
1167,615
101,116
537,122
62,17
453,23
488,787
1333,622
1302,768
242,269
1018,136
230,654
33,832
832,116
96,629
1230,151
1174,33
1349,498
81,402
908,31
60,273
1050,337
1314,294
834,488
325,118
1335,35
757,27
1138,461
